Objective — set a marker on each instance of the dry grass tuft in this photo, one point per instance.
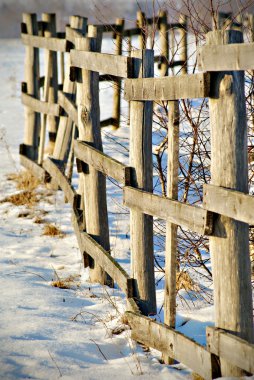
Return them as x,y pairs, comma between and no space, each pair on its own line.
69,282
25,180
184,281
52,230
27,198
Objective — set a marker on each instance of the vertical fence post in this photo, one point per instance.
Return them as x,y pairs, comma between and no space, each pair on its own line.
183,43
65,127
32,76
229,244
142,260
141,24
171,229
117,81
50,20
94,182
163,27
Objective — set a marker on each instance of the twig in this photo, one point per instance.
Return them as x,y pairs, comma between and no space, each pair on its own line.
53,360
99,348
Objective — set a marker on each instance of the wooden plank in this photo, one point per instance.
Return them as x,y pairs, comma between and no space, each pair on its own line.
117,83
171,343
32,79
230,347
111,64
93,184
91,247
52,73
65,127
72,34
40,106
49,43
33,167
168,88
231,203
229,245
131,32
55,170
141,225
192,217
102,162
182,47
226,58
64,100
171,228
108,122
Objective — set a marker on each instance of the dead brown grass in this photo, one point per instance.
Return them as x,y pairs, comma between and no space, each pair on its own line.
25,180
27,198
184,281
69,282
52,230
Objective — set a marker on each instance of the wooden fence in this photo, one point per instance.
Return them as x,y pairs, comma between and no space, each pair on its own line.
71,115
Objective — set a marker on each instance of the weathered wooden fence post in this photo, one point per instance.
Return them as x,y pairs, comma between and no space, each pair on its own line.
141,24
94,182
65,123
163,28
32,77
117,82
229,244
142,260
183,56
51,58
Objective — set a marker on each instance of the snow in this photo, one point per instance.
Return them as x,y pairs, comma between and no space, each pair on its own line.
48,332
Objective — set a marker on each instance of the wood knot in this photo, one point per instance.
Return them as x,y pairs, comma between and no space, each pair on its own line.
84,115
226,85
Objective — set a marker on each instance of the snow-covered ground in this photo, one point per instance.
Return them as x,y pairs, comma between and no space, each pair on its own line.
48,332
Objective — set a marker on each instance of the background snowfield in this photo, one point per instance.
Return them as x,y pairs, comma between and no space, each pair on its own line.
77,333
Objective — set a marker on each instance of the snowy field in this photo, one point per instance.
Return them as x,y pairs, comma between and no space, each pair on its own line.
76,333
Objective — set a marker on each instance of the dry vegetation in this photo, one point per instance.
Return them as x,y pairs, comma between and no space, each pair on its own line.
27,198
70,282
52,230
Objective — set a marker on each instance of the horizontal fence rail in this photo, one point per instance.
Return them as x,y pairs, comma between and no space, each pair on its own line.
168,88
221,58
70,114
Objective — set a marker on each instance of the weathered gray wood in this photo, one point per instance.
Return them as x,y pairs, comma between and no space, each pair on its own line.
91,247
49,43
171,229
52,72
142,32
117,82
168,88
32,76
230,347
111,64
72,34
52,167
62,146
164,42
102,162
39,105
192,217
65,101
33,167
229,244
231,203
183,43
89,130
171,343
231,57
141,226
